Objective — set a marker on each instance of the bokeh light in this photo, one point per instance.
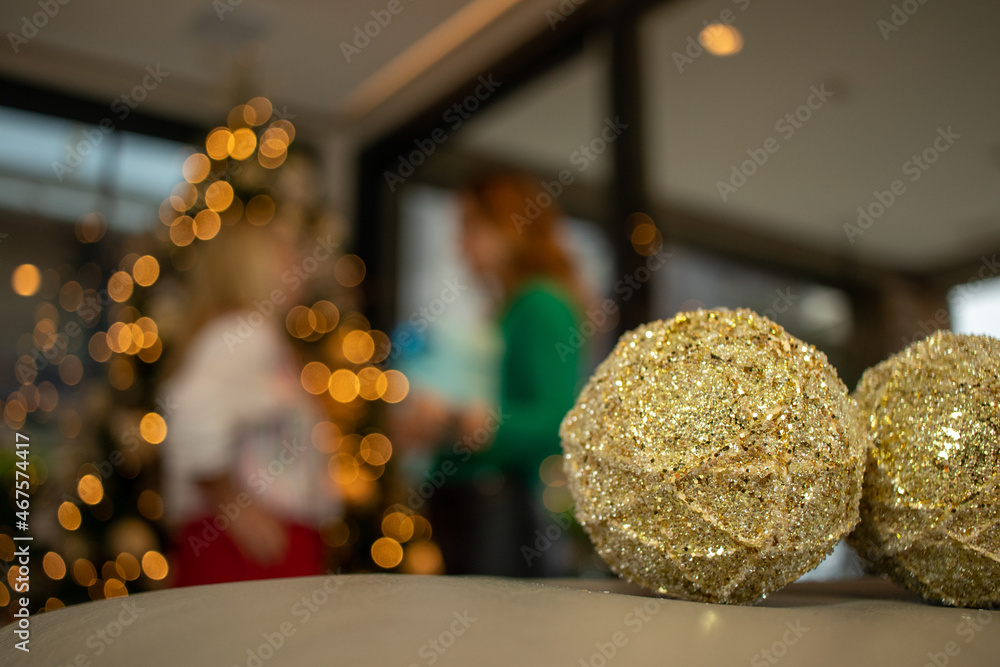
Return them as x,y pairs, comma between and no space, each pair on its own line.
90,489
26,279
196,168
154,565
150,505
344,385
69,516
392,386
387,552
84,572
315,377
218,143
721,39
375,449
219,196
349,270
54,566
153,428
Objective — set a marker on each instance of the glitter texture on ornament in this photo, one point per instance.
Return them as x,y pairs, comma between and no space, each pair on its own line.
714,457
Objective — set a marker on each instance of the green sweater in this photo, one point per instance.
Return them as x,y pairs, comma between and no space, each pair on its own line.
539,375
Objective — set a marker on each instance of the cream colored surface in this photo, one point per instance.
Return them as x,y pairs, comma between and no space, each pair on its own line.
392,620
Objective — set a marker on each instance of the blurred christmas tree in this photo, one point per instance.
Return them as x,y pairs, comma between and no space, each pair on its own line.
87,381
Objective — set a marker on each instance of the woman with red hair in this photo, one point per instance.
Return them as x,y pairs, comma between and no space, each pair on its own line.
487,514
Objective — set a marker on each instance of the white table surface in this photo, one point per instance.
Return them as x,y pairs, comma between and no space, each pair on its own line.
411,620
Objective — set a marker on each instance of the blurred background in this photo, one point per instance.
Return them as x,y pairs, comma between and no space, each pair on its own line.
834,166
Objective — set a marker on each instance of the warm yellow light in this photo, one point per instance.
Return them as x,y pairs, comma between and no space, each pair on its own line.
26,279
393,386
196,168
207,224
128,565
349,270
90,489
344,386
376,449
398,526
423,558
219,196
219,142
300,321
115,589
343,469
146,270
120,286
358,346
720,39
274,142
257,111
84,572
286,127
182,230
154,565
183,196
271,162
151,353
153,428
368,378
327,316
386,552
54,566
244,143
315,377
69,516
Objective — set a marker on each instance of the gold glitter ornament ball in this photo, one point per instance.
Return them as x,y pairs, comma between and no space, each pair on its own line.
714,457
930,515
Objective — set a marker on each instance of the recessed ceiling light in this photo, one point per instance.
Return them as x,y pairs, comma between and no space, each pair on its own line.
720,39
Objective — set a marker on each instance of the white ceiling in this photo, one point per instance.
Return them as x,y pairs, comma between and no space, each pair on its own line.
890,96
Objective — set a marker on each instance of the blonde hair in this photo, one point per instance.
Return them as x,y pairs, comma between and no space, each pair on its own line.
240,266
